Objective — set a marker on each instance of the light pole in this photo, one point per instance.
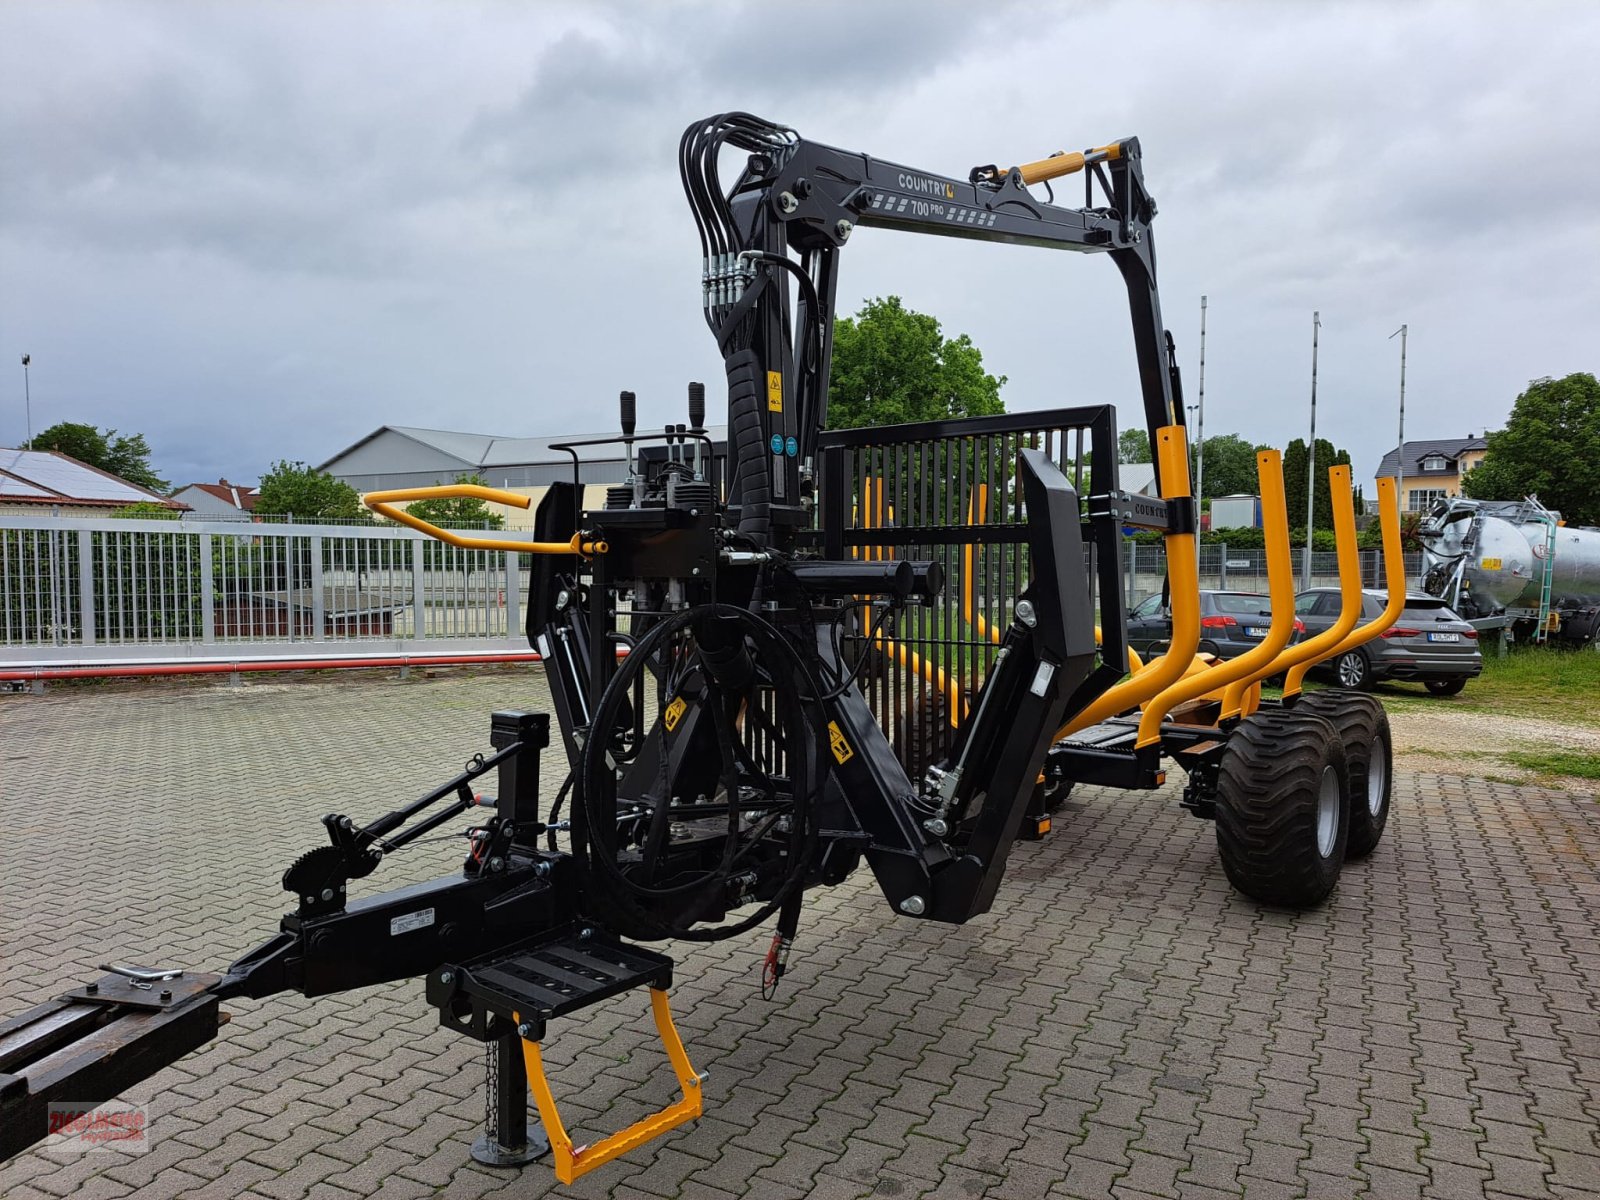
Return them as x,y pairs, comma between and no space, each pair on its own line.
1200,416
1311,455
1194,450
27,398
1400,454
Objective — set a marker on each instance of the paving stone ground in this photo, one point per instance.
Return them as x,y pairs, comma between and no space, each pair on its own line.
1121,1025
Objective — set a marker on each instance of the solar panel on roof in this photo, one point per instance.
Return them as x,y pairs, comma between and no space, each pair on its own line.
15,487
68,478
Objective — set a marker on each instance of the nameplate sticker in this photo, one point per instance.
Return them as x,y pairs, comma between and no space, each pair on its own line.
417,920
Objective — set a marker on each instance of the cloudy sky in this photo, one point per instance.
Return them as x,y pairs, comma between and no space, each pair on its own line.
259,231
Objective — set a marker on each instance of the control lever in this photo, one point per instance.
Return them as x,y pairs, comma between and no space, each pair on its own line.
697,421
629,417
630,414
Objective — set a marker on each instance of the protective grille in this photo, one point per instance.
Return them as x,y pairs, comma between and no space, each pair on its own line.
948,491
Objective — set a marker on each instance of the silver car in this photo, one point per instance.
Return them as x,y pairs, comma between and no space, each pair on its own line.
1429,644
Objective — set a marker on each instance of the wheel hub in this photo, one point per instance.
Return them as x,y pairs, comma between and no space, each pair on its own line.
1377,778
1328,812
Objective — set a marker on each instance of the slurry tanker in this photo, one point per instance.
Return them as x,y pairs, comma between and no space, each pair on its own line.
1515,560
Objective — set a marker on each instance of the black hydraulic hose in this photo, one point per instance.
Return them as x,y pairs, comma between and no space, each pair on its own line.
747,448
555,812
635,908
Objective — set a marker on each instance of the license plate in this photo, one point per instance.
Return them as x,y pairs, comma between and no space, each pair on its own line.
1254,631
1444,637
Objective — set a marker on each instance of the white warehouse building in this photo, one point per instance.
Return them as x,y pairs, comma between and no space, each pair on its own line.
404,456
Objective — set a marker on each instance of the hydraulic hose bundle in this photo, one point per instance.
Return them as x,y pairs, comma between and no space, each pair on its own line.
752,686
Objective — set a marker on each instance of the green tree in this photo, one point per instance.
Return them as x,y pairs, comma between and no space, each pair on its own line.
465,513
1133,446
126,457
148,510
1550,447
1230,463
892,365
1294,482
1371,537
292,488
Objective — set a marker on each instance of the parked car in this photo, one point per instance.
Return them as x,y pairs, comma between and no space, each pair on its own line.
1230,623
1429,644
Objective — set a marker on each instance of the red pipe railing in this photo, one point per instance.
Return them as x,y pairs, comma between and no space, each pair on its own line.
116,671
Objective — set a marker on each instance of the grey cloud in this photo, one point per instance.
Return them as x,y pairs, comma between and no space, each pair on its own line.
257,231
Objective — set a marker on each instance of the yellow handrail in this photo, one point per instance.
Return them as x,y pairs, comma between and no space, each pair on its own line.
1394,570
1312,649
383,503
1183,573
572,1162
1280,588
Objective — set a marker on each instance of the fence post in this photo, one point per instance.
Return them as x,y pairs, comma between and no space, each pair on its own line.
513,581
86,587
417,614
319,616
208,598
1222,567
53,551
1133,574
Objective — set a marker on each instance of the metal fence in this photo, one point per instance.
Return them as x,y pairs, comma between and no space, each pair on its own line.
107,590
1238,570
84,590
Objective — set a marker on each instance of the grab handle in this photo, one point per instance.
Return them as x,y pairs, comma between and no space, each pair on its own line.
383,503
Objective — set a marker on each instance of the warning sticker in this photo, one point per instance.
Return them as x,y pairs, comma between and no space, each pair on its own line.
774,391
1491,564
674,714
841,748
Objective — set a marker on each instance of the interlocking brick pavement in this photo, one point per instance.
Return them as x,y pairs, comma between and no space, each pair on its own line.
1121,1025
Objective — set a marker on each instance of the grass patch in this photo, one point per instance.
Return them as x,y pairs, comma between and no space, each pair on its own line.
1556,685
1571,763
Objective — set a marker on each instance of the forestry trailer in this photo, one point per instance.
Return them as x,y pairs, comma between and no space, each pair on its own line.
774,659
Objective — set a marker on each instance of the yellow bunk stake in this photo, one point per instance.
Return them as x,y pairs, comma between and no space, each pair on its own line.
1313,649
1394,570
572,1162
874,516
383,503
1183,569
1280,587
977,514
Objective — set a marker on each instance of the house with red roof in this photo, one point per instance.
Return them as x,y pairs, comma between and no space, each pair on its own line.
220,499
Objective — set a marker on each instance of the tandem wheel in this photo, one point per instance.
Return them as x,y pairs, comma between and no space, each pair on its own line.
1283,820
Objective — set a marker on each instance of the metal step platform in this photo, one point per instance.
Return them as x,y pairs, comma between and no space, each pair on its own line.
559,978
510,997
